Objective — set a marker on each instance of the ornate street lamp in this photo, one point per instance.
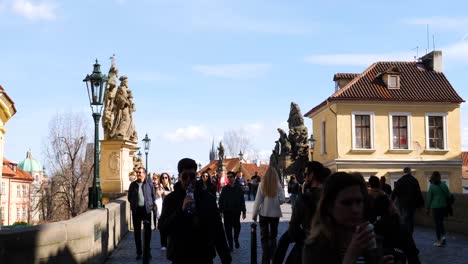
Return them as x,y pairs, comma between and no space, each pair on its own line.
139,154
312,146
147,142
241,156
95,84
199,166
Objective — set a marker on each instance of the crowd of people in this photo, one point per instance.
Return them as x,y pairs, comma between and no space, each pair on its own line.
336,217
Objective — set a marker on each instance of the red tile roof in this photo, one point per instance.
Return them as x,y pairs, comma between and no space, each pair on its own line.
465,164
19,174
417,84
248,169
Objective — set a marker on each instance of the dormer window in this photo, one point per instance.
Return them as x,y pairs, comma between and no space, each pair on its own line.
393,82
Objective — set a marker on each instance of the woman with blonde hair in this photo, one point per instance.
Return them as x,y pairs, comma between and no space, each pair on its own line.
270,196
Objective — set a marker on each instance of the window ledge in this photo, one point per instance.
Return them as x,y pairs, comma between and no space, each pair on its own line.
363,150
400,150
436,151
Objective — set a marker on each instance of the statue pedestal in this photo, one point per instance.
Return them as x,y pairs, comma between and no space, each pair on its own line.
116,165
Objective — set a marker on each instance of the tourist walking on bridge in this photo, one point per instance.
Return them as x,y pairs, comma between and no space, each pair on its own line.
141,196
407,195
231,204
167,188
191,220
270,196
437,199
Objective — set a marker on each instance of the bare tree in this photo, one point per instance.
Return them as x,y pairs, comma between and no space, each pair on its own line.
71,172
236,141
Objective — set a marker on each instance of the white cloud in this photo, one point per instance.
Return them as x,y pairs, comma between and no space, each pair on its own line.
188,133
233,71
149,76
254,129
439,22
34,11
456,52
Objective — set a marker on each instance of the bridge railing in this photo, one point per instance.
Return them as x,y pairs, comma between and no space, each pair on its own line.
87,238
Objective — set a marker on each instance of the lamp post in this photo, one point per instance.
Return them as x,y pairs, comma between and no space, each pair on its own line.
147,142
95,84
139,154
312,146
199,167
241,156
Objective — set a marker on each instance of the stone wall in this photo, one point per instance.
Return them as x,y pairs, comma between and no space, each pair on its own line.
458,223
87,238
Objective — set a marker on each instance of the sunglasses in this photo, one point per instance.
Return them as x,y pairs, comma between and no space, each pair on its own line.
164,177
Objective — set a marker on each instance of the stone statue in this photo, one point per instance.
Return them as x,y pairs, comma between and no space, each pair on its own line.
221,151
298,137
277,146
111,89
137,162
295,116
117,120
123,127
285,144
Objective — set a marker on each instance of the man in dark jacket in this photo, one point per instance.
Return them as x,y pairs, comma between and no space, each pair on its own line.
194,236
141,197
408,196
231,204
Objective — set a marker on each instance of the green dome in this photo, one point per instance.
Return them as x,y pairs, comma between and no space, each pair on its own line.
30,164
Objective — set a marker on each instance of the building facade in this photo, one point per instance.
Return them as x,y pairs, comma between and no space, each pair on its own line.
391,116
16,200
34,168
7,110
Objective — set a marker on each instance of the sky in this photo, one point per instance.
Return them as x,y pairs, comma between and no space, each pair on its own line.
200,68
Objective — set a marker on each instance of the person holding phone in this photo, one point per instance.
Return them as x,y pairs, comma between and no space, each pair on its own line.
191,220
340,232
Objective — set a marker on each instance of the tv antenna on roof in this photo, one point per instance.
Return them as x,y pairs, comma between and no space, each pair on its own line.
427,33
417,53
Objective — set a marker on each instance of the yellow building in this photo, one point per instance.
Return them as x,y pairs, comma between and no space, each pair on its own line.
391,116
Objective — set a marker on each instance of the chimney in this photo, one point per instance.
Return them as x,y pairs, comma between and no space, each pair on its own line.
433,61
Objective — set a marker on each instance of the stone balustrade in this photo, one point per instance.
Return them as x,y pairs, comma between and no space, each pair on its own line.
458,223
87,238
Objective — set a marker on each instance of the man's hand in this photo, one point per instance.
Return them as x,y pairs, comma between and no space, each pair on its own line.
187,201
243,215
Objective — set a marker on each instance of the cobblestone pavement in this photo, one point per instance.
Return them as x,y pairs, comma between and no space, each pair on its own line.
456,251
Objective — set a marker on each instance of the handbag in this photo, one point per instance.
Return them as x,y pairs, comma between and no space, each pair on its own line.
450,200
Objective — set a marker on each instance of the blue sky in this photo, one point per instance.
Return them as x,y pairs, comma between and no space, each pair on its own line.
199,68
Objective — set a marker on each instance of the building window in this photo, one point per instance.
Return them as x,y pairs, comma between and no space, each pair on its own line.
3,187
18,191
444,177
436,131
24,213
363,130
17,214
3,213
24,191
37,178
393,81
324,138
400,130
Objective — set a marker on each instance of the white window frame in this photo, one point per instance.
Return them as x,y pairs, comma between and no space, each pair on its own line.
18,213
18,190
390,126
3,188
397,81
324,138
371,127
445,130
394,177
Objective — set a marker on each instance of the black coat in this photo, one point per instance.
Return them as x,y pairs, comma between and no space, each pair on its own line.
407,192
193,238
148,194
232,199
